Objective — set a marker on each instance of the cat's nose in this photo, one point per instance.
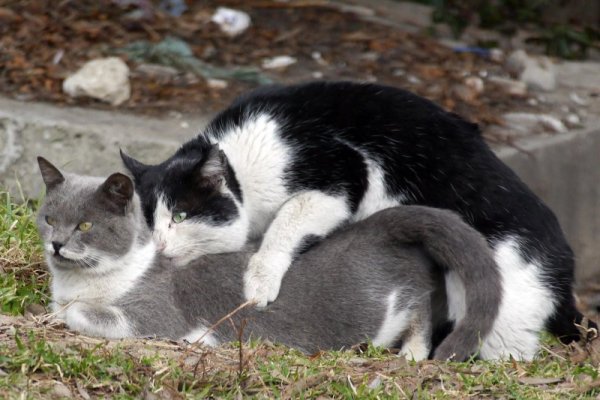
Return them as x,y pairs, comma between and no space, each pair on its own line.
160,246
57,246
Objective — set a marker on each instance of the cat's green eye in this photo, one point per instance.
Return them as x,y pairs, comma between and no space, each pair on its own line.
50,221
179,217
85,226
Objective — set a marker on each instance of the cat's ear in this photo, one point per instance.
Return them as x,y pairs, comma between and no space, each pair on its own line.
116,192
212,171
134,166
50,174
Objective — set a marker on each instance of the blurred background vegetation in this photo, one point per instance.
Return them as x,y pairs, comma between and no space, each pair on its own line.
567,29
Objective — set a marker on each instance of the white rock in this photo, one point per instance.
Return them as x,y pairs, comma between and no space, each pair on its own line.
540,74
516,61
573,120
510,86
318,57
105,79
475,83
217,83
278,62
232,22
536,72
496,55
526,123
575,98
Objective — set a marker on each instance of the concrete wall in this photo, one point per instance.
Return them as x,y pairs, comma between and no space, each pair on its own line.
564,170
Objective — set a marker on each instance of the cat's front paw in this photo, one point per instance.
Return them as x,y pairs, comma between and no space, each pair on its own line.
262,280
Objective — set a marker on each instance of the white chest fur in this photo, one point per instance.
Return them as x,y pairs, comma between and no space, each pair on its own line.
106,282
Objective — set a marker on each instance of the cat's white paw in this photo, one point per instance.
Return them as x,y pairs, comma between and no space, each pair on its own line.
263,277
75,318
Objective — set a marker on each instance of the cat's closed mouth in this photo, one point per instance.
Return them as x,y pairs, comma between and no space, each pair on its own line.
62,259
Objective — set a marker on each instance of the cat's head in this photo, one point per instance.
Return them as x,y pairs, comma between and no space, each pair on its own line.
190,203
86,222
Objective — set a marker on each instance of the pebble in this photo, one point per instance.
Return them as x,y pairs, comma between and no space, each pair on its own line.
414,80
575,98
278,62
526,123
318,57
473,86
573,120
217,84
59,390
512,87
475,83
537,72
105,79
232,22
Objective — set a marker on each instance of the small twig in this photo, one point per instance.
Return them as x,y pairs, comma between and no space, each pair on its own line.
241,350
219,322
50,316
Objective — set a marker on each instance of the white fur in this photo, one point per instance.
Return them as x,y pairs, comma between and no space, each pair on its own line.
200,335
394,324
308,213
103,284
416,346
259,158
526,305
376,197
457,302
75,317
188,240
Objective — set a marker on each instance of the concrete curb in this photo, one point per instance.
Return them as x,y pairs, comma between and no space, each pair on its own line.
562,169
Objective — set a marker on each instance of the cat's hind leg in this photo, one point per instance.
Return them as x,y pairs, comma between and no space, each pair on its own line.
416,340
411,323
97,320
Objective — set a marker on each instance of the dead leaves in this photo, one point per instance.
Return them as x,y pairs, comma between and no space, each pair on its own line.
42,42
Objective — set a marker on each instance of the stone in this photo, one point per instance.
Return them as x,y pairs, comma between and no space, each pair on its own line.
219,84
60,391
475,83
471,89
278,62
515,63
575,98
537,72
526,123
232,22
35,309
511,86
105,79
573,120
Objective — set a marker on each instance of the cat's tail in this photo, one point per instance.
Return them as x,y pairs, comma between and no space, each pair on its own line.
468,265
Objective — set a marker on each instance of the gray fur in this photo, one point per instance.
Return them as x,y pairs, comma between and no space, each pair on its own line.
333,296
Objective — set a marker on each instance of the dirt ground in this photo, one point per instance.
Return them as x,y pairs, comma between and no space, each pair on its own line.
43,42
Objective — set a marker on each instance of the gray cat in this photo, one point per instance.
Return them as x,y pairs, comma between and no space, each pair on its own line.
378,280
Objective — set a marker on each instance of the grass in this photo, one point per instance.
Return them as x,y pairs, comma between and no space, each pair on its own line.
40,358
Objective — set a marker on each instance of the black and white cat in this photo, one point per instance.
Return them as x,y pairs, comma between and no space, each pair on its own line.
377,280
294,163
